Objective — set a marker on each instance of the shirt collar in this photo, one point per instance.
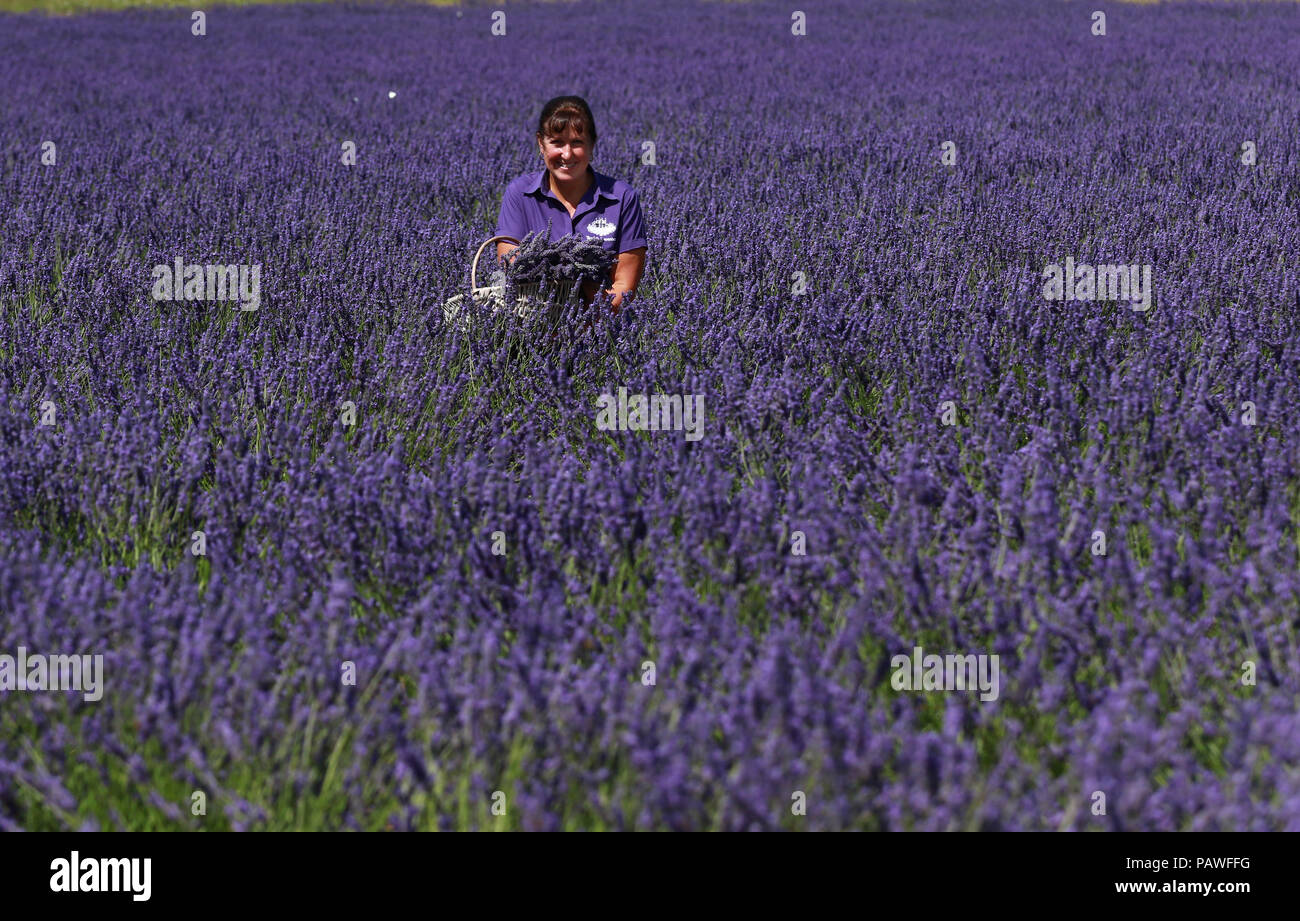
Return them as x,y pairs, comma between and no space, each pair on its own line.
599,187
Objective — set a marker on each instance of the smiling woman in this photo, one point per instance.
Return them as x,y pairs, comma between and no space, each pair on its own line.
572,198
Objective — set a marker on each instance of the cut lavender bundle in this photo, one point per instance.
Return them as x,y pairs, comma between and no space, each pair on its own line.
569,260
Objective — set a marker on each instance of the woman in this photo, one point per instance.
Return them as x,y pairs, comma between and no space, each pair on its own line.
575,198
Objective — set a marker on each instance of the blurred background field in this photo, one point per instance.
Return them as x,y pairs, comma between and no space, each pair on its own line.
61,7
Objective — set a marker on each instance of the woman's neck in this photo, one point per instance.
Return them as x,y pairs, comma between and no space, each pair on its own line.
572,192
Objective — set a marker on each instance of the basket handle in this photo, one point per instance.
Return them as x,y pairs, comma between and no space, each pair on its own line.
473,269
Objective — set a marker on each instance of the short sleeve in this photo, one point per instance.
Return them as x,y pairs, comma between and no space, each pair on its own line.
511,223
631,224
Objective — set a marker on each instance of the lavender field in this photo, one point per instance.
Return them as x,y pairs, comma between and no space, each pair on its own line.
907,441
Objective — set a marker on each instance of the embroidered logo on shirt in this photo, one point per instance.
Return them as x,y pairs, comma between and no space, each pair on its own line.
601,227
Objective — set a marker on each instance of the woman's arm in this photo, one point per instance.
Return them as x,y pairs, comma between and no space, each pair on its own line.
503,248
627,274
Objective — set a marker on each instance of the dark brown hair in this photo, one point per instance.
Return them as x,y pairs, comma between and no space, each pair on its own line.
561,113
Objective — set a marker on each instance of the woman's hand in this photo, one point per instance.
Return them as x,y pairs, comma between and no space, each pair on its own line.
616,296
504,249
589,292
627,274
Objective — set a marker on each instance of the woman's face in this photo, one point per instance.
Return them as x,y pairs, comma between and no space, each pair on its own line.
566,156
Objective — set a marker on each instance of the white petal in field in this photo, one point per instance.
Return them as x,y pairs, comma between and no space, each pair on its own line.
392,94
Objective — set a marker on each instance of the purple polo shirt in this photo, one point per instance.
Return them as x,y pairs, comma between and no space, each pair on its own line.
610,212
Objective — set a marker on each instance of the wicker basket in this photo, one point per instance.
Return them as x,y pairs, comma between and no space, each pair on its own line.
529,295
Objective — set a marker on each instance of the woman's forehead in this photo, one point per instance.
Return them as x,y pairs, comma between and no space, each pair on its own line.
569,133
